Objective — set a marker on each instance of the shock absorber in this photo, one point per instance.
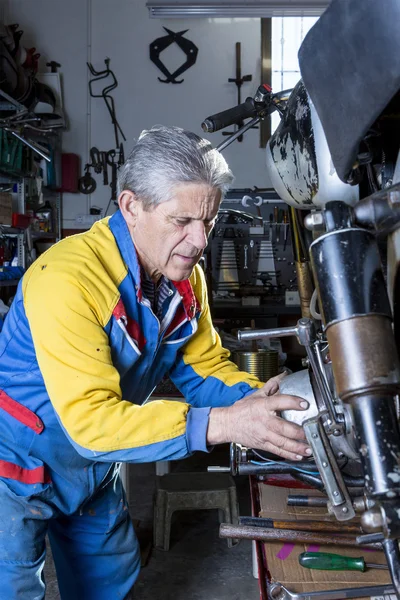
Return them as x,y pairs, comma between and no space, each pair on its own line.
357,316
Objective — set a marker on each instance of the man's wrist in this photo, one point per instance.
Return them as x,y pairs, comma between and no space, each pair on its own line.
217,431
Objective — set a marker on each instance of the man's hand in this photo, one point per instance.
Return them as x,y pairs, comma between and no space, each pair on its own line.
253,422
272,385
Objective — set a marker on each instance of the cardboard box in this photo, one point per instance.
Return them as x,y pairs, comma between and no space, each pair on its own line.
282,558
5,208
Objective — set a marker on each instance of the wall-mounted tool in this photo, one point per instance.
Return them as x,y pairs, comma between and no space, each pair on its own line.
53,66
86,183
239,80
164,42
96,160
111,160
286,227
105,94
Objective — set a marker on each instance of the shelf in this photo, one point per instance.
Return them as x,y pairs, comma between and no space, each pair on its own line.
43,235
35,235
7,179
230,311
8,230
10,178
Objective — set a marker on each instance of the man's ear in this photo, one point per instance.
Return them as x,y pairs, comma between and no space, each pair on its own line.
129,206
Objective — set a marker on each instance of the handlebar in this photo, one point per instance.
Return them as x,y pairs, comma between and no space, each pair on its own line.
230,116
263,103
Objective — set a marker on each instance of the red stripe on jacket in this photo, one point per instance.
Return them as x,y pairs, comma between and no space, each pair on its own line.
132,326
12,471
21,413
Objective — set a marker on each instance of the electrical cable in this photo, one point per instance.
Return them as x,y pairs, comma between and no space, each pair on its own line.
276,462
313,307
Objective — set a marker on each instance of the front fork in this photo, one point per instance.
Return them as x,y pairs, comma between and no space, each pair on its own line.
357,318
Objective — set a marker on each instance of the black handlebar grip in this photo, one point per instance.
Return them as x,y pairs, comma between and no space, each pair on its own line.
230,116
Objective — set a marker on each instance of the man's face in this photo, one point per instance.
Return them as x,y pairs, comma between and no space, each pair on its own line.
171,237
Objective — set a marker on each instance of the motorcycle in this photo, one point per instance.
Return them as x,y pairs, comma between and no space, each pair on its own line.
335,160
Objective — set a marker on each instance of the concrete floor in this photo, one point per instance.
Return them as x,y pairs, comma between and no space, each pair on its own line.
199,565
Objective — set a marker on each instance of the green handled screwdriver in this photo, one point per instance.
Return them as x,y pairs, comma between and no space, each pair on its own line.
324,561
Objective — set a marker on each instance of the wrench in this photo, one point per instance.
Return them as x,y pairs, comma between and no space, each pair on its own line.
245,256
278,591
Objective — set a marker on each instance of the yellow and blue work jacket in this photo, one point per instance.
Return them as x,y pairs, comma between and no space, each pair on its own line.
80,353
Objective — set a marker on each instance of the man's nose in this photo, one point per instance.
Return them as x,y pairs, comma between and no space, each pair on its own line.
198,235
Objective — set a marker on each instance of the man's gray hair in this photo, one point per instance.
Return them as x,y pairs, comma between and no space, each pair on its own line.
164,157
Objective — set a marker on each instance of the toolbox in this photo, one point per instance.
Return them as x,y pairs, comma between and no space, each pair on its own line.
279,562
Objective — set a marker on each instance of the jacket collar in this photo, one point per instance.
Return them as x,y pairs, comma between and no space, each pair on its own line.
127,248
189,300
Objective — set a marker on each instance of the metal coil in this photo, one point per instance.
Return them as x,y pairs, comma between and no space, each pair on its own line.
264,364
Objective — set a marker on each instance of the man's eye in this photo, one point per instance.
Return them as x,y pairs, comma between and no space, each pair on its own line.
182,221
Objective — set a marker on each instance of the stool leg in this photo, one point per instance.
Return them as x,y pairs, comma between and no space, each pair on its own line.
234,506
167,527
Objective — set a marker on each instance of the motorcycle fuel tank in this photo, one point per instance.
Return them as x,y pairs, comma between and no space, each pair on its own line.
299,163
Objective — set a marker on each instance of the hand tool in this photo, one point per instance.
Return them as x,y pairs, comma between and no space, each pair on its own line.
261,534
286,227
96,160
86,183
297,500
276,220
245,256
53,66
111,160
105,94
105,167
301,525
277,591
324,561
239,80
187,47
121,157
271,220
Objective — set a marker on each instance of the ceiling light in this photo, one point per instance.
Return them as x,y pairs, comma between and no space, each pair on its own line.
184,9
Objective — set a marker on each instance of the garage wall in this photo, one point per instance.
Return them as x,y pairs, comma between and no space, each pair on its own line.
74,31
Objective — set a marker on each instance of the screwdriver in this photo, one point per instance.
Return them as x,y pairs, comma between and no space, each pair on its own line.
286,224
324,561
276,220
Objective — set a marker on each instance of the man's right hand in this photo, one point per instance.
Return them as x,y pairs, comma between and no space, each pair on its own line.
253,422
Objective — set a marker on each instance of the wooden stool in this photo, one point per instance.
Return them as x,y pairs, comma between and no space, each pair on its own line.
192,491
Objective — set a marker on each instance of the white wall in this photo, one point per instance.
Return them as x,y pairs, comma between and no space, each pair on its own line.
74,31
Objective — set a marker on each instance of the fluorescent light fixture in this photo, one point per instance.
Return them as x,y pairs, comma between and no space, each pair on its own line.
184,9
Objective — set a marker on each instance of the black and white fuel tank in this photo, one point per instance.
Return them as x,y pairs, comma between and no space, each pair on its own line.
299,163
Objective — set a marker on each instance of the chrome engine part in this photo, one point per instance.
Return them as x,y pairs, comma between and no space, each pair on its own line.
299,384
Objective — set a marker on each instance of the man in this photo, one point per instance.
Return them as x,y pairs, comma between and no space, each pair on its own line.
96,322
